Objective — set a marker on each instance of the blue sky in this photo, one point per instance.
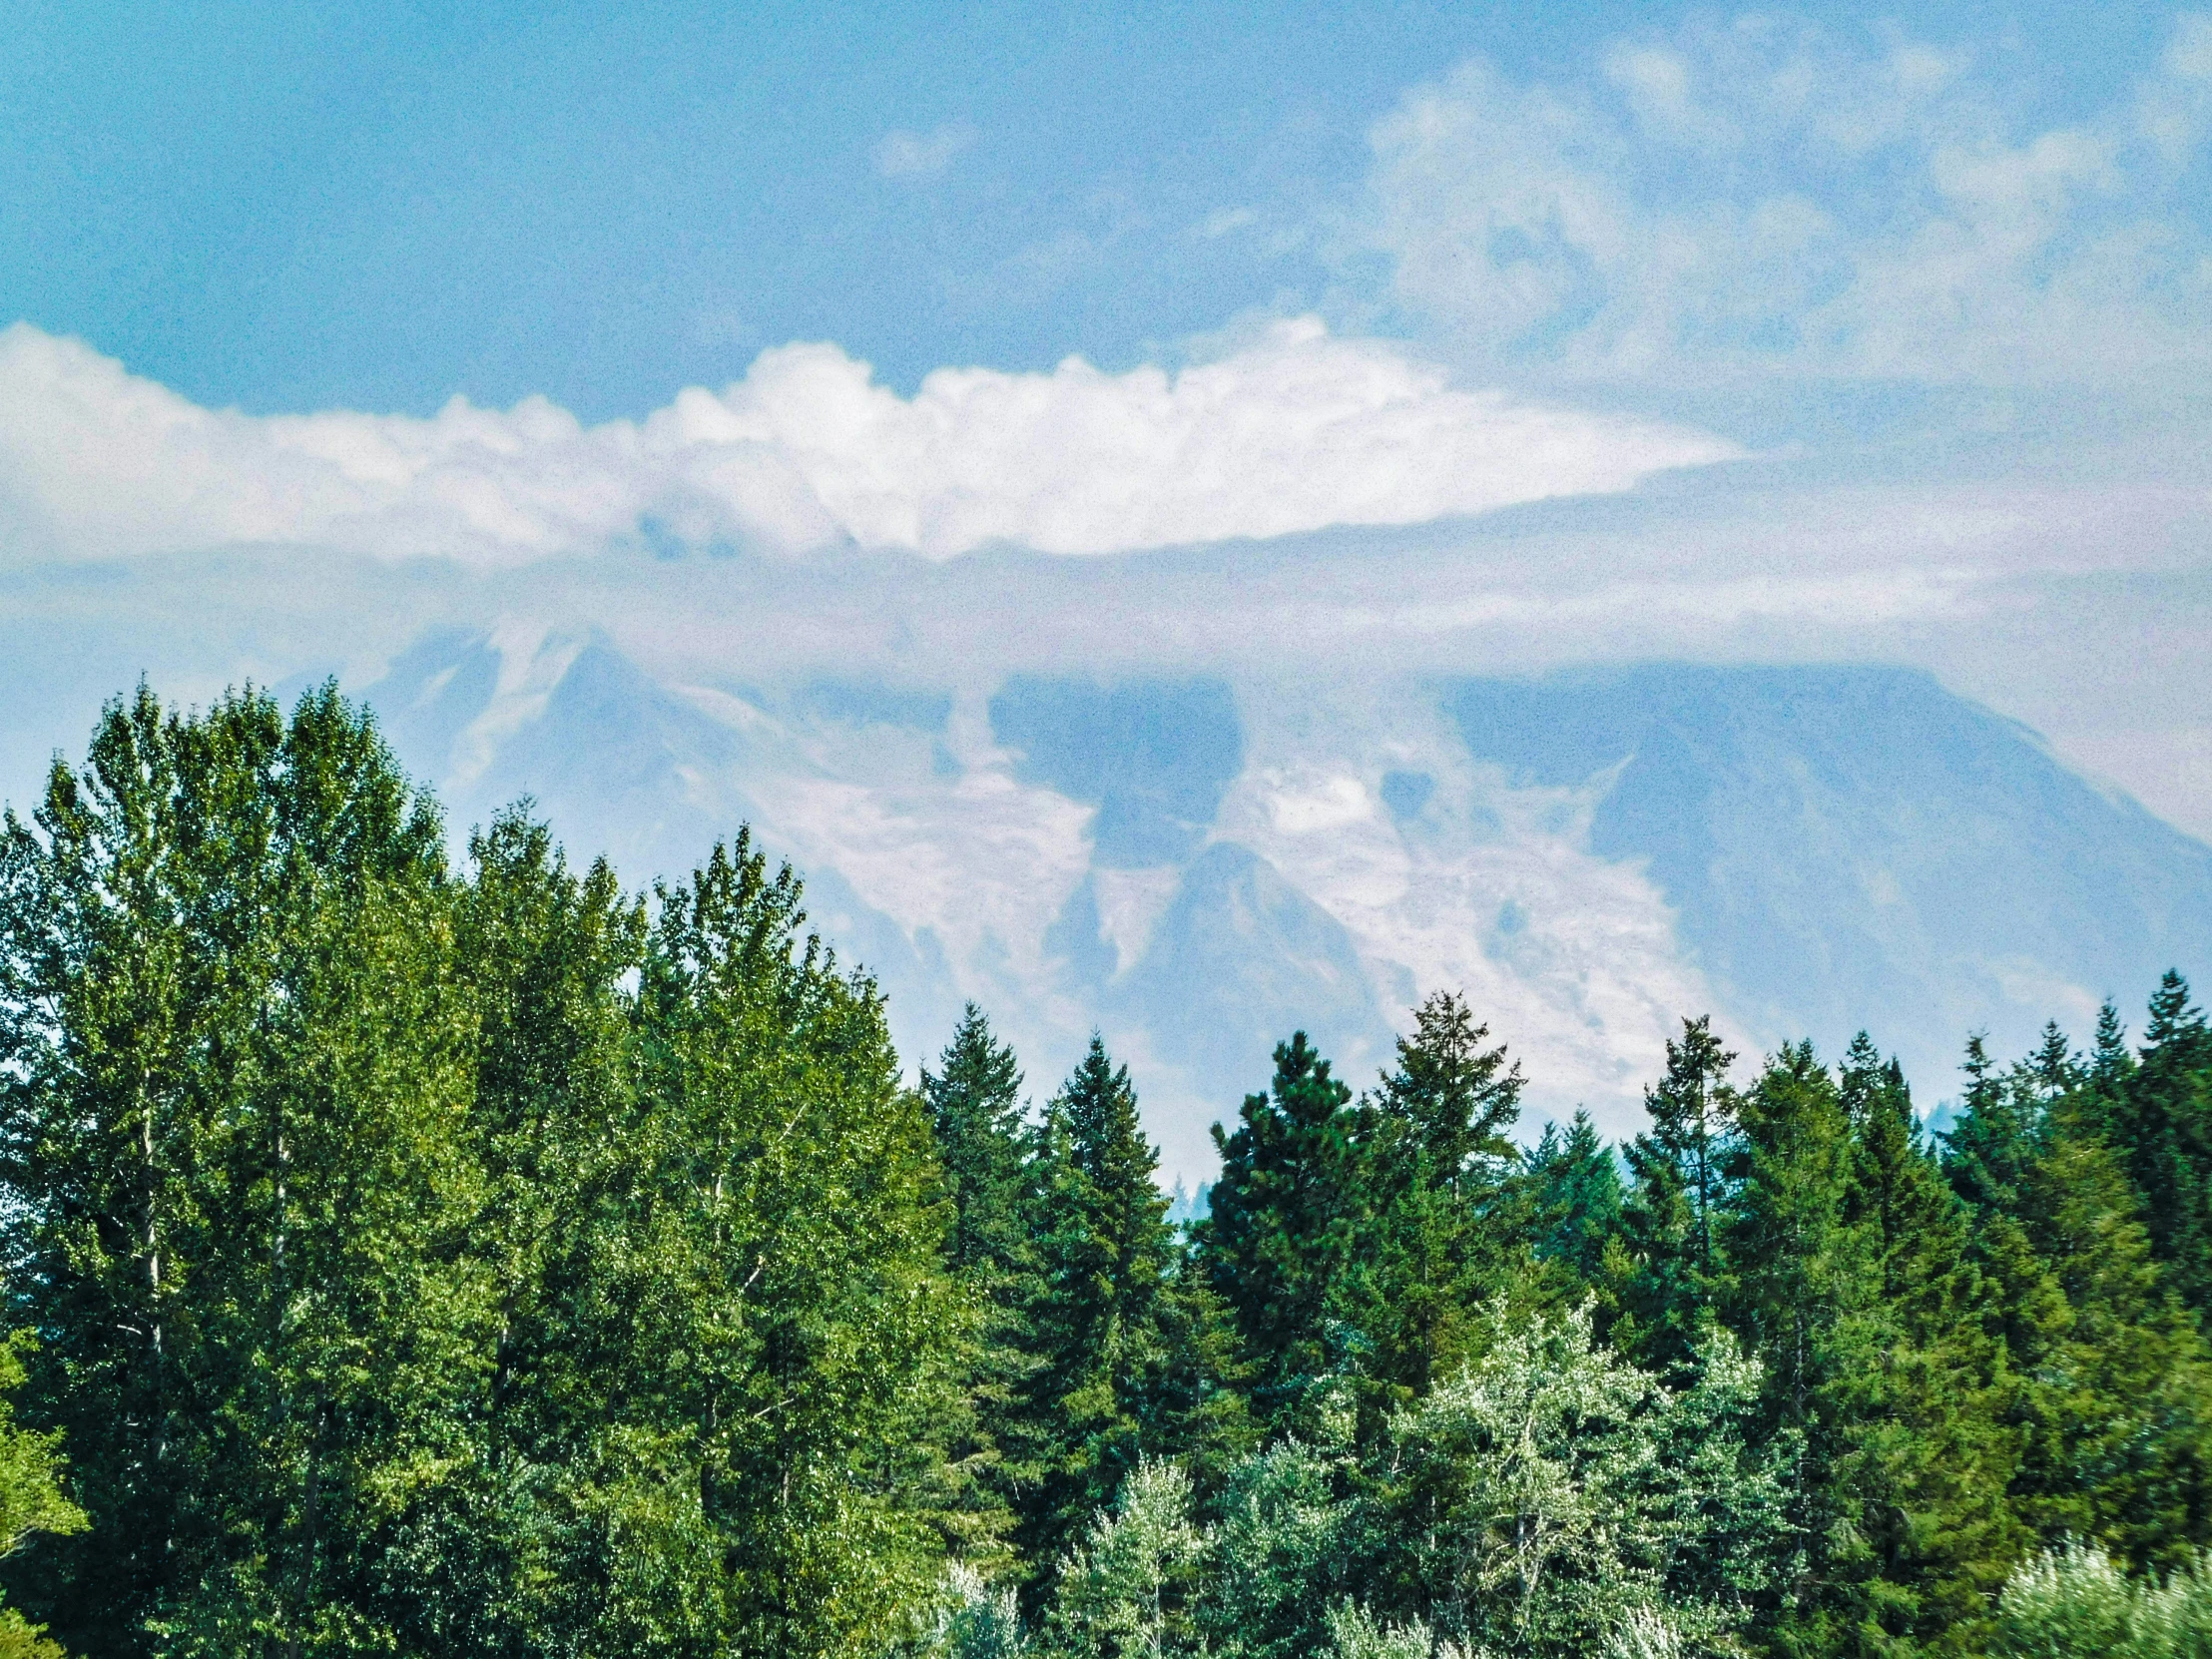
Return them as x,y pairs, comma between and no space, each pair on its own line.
289,207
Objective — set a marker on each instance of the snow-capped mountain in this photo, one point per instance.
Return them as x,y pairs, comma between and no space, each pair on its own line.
1198,866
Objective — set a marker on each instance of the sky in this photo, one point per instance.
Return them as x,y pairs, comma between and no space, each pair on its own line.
1503,339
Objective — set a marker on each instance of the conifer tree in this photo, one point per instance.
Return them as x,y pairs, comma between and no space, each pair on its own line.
1670,1221
1574,1198
1281,1241
975,1110
2115,1374
995,1448
1438,1163
1128,1348
1996,1137
1923,1393
2162,1128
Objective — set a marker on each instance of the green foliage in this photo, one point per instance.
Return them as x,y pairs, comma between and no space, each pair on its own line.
2075,1603
1666,1270
995,1448
1552,1490
1127,1589
31,1497
1281,1244
1575,1195
411,1286
975,1112
2160,1123
1433,1180
486,1260
239,1054
1133,1351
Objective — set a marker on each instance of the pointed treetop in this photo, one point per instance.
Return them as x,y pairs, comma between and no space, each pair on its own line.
2111,1060
2171,1017
2055,1068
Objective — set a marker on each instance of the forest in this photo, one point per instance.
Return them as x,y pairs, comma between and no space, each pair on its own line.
423,1253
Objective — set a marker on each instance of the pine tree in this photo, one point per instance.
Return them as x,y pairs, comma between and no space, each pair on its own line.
1679,1185
2162,1128
1436,1170
2116,1398
1575,1186
1128,1347
1926,1398
1989,1148
1281,1241
997,1449
976,1112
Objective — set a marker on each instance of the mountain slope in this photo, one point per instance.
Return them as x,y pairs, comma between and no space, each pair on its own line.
1198,866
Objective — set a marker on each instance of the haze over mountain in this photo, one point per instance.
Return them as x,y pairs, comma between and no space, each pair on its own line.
1199,865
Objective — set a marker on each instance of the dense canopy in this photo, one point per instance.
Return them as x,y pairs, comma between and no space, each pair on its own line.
426,1257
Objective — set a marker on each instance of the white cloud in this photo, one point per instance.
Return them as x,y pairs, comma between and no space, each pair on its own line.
1757,196
904,155
1297,432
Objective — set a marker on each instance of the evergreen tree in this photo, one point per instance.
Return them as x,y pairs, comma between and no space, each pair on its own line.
1925,1395
2162,1128
1678,1170
2116,1396
1797,1286
1129,1347
997,1449
975,1110
1989,1148
1283,1236
1437,1166
1575,1186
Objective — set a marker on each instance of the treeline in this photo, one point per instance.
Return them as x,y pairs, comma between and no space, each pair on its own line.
419,1260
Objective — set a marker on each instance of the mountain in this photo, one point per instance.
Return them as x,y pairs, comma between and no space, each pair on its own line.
1195,865
1845,845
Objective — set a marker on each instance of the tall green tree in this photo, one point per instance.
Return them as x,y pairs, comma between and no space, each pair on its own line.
2108,1369
1281,1242
238,1082
1575,1198
1131,1348
975,1110
772,1340
989,1155
2162,1128
1924,1394
1436,1183
1679,1187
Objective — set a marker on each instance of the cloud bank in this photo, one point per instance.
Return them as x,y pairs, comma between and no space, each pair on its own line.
1761,195
1300,430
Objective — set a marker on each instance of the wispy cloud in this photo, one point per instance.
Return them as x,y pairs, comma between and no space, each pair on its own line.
1763,196
904,155
1297,432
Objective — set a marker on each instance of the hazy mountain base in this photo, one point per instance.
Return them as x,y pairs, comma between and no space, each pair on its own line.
1195,866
